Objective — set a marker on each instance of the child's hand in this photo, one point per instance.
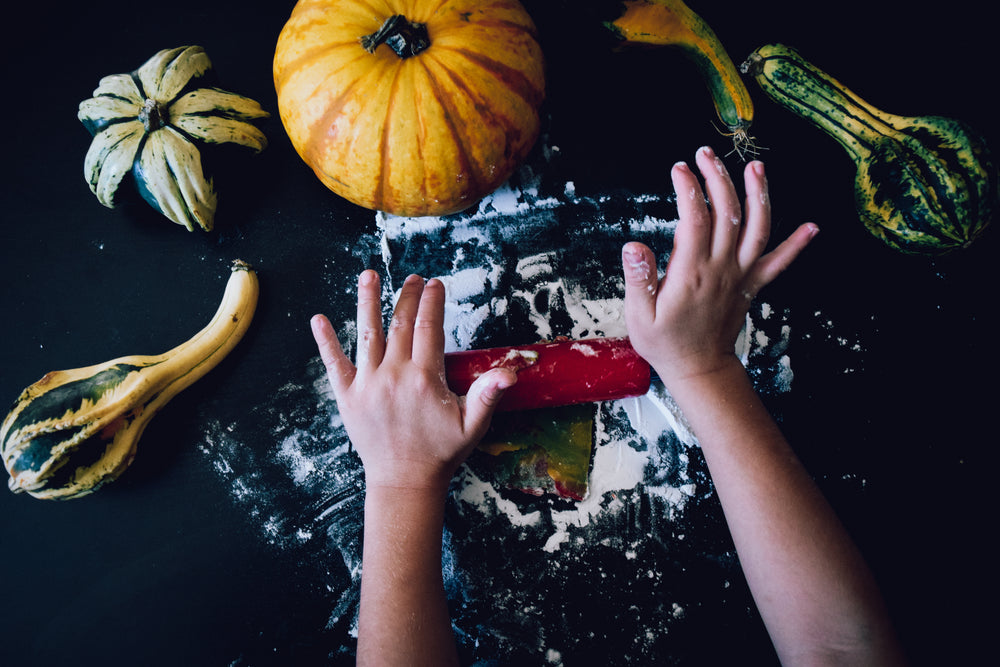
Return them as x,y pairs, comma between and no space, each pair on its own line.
686,325
410,430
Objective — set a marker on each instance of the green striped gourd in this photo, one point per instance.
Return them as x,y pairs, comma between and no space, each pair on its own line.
74,431
924,185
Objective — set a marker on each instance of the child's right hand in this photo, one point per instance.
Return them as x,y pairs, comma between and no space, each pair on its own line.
410,430
686,324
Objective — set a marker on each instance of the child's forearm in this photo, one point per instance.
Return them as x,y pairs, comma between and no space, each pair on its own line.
403,616
411,433
811,585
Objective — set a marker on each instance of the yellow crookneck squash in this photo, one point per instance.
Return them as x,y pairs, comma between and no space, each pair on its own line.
671,23
412,108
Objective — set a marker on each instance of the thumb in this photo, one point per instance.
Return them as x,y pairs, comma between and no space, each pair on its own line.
482,399
641,281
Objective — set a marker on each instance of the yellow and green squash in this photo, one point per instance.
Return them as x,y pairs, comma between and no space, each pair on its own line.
74,431
924,185
672,23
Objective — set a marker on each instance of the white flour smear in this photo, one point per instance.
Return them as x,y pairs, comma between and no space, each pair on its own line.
531,580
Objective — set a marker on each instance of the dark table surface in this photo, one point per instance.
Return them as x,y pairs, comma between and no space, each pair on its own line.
232,539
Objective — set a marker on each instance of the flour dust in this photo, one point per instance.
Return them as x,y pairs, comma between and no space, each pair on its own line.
529,579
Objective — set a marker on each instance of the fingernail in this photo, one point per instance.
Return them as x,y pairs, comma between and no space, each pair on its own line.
683,166
367,277
635,263
758,168
506,382
494,392
707,151
631,253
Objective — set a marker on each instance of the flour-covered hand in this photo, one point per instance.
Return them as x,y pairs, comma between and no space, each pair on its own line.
687,323
410,430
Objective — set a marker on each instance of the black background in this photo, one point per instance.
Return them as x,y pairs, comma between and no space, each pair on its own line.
162,568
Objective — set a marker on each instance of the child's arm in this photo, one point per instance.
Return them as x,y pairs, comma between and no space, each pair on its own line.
811,585
411,433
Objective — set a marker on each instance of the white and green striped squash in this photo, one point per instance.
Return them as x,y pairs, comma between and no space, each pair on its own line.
74,431
150,124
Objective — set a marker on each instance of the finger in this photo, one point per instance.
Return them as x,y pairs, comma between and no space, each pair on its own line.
641,282
428,328
757,230
693,236
724,202
482,399
339,369
371,340
399,340
773,263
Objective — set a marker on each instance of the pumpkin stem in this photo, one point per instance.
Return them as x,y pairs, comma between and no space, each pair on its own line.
152,115
403,36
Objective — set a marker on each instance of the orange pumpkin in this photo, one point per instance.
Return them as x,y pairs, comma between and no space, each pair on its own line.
413,108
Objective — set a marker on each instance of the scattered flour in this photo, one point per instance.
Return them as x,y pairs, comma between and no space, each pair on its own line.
513,275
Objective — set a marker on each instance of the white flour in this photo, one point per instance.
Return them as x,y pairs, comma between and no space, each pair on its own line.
510,280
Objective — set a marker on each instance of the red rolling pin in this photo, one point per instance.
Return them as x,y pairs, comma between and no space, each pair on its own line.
557,373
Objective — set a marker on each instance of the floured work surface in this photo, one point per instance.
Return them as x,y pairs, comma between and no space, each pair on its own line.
247,496
527,576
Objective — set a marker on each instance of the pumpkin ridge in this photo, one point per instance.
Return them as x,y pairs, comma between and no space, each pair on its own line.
495,24
451,115
511,130
378,10
310,57
318,135
420,149
328,74
418,11
385,155
514,80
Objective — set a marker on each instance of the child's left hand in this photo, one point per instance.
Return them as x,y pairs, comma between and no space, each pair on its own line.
410,430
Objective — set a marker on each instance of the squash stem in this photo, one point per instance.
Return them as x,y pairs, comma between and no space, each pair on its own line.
153,115
400,34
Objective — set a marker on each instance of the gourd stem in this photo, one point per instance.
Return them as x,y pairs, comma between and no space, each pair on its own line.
400,34
153,115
